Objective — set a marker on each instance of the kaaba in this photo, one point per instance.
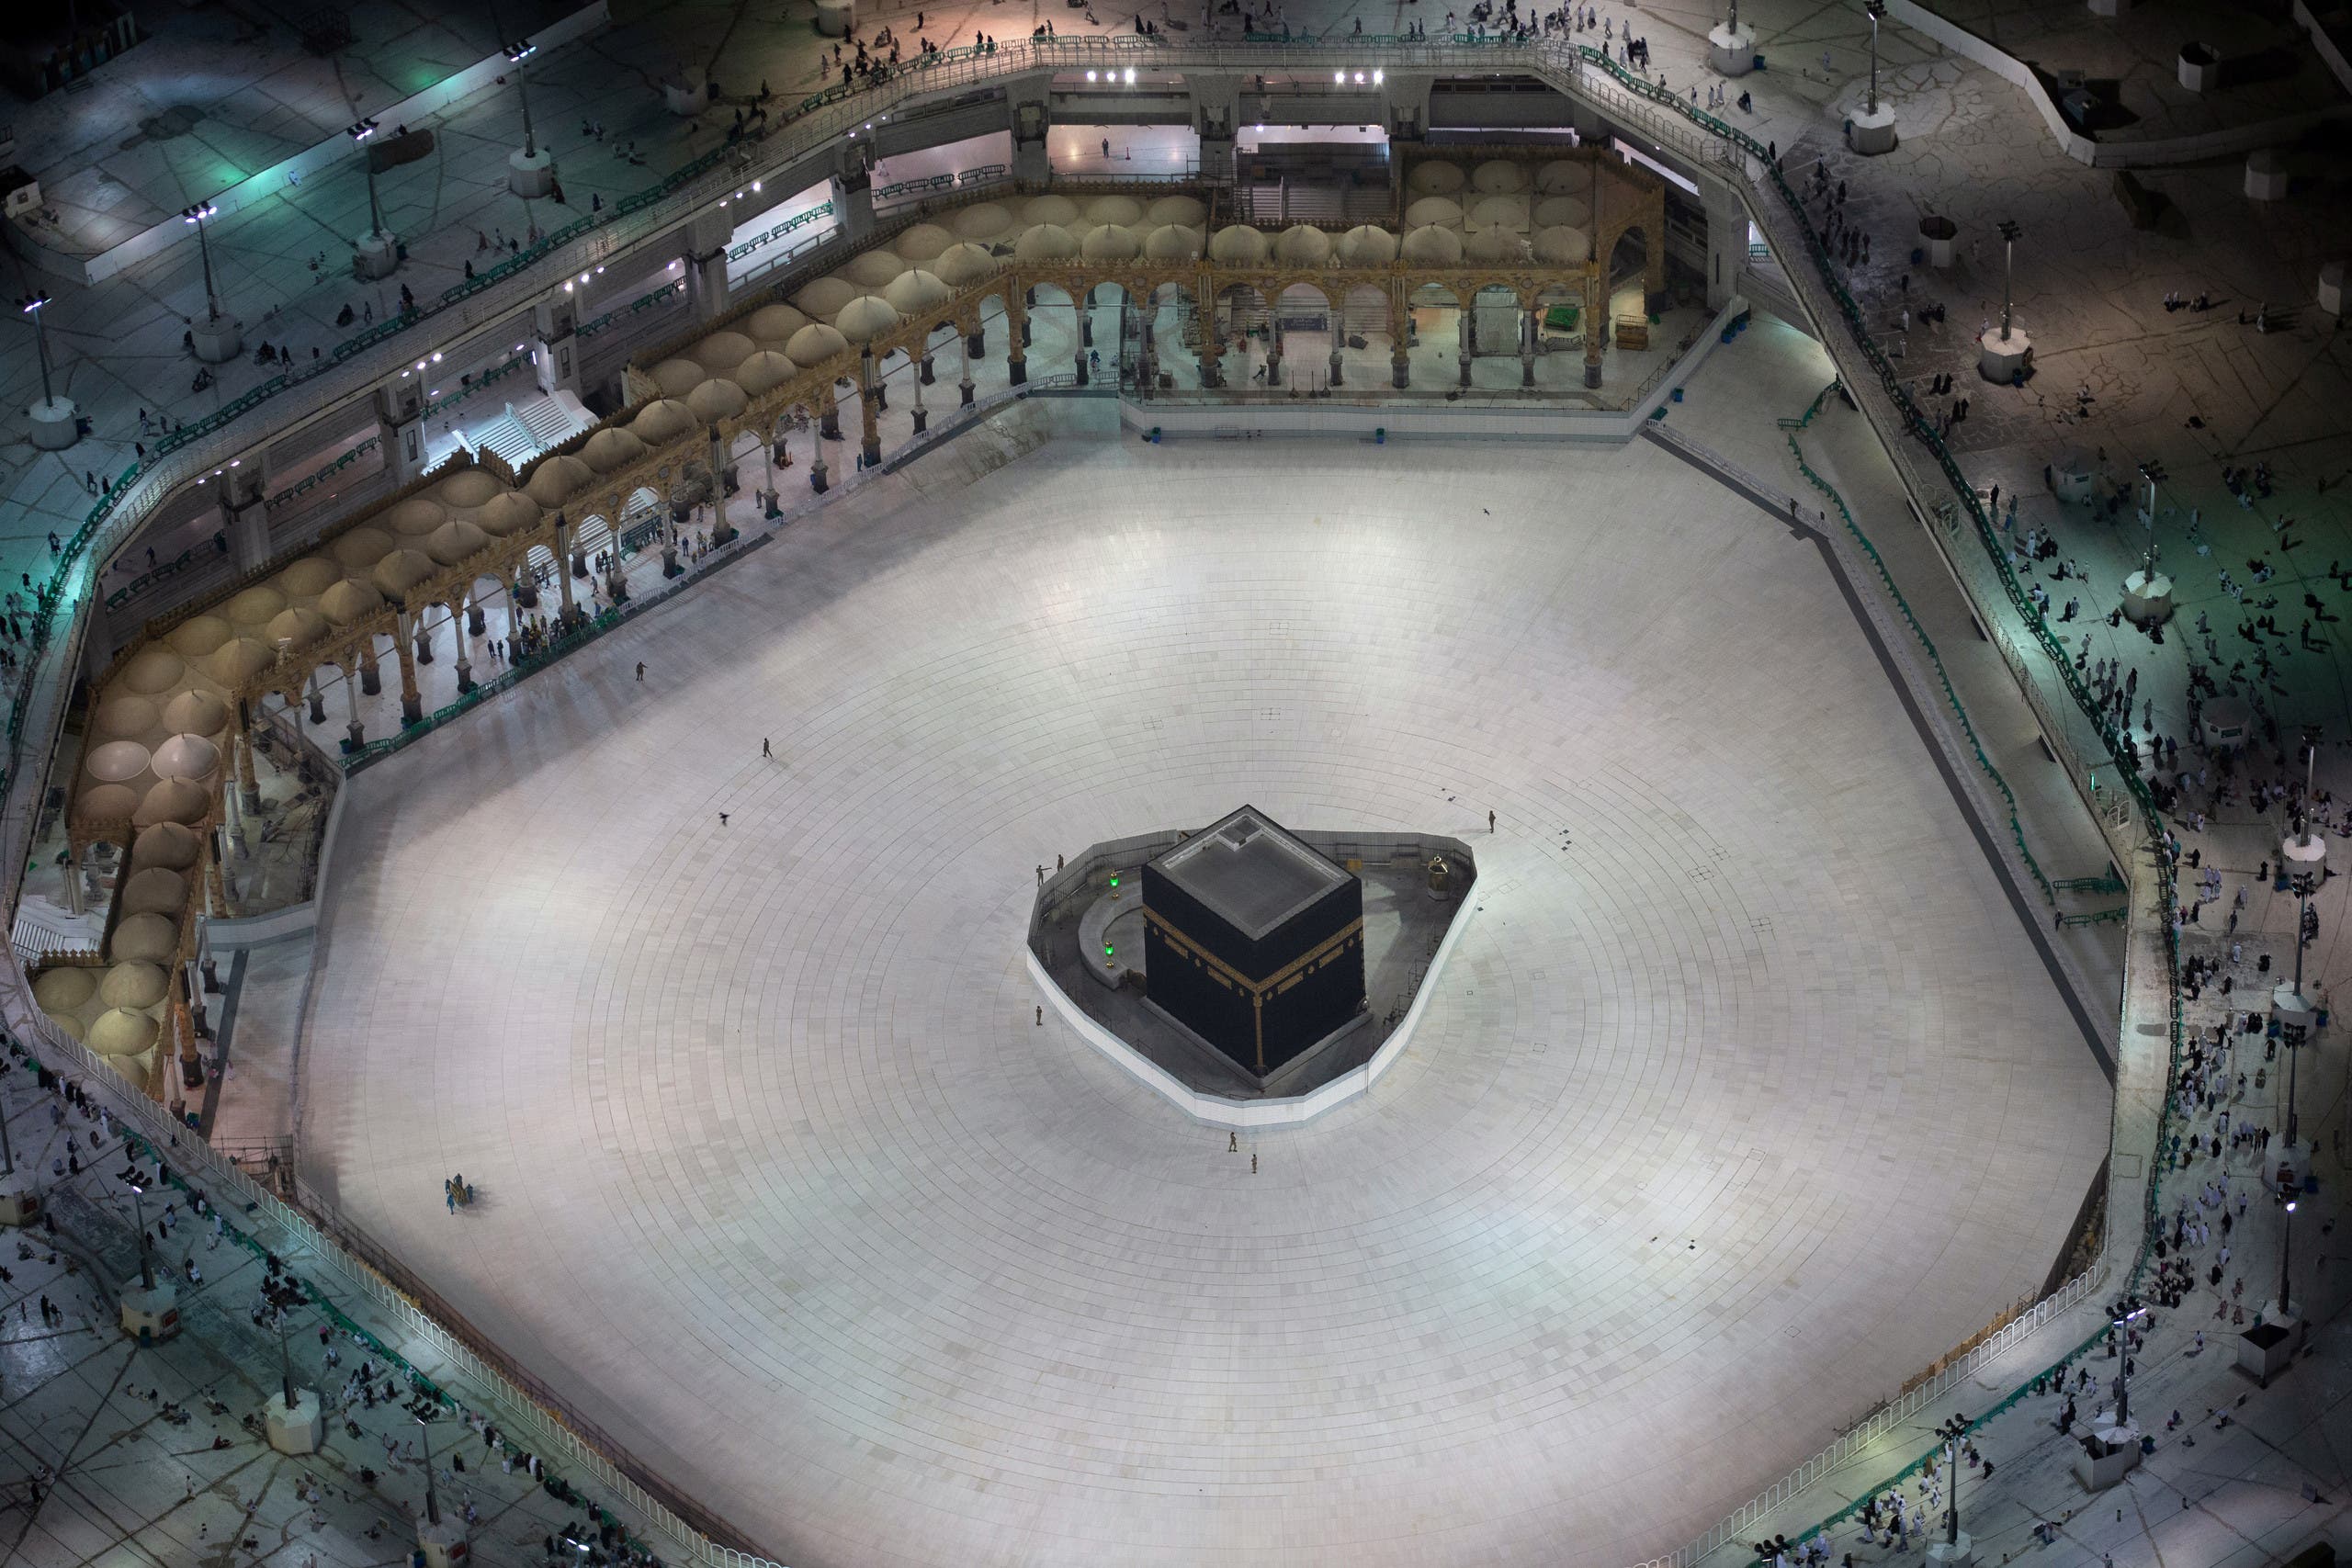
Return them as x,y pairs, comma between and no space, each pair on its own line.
1253,942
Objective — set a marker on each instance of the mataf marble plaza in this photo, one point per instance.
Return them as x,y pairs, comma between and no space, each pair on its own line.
1260,783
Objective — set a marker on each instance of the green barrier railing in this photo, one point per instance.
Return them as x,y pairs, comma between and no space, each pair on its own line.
642,302
1943,676
797,220
302,486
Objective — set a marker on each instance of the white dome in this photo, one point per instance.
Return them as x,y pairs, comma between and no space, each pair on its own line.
1562,246
199,634
982,220
1238,243
1112,242
1435,176
154,670
1125,211
866,318
1432,246
716,399
658,423
872,269
1367,245
923,242
1499,212
960,266
719,353
1555,211
1497,175
1495,246
823,299
769,323
814,343
676,378
1045,242
1058,211
469,487
1173,243
915,290
1189,210
764,371
1442,210
1303,245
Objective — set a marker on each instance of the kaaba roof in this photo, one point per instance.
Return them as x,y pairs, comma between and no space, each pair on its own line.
1249,872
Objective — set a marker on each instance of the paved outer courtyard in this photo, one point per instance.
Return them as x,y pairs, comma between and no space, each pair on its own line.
1746,1095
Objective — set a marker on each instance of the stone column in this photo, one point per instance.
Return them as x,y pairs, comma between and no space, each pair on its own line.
922,417
853,198
357,731
555,358
704,252
1726,240
1017,332
1338,331
1596,324
1031,119
318,699
245,516
72,889
563,579
422,639
1466,333
411,701
817,452
399,427
923,371
458,624
1274,351
1526,347
248,783
371,679
964,351
869,412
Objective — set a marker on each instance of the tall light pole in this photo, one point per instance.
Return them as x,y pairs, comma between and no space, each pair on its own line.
516,53
1874,9
2123,1371
359,133
30,304
2285,1251
195,215
2009,232
2153,472
139,1211
1952,1432
529,171
432,1501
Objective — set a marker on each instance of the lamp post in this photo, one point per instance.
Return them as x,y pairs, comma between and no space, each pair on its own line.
30,304
1952,1432
432,1500
138,1212
2009,232
529,172
195,215
1874,9
216,338
2124,1372
2147,593
517,52
359,133
56,424
2286,1252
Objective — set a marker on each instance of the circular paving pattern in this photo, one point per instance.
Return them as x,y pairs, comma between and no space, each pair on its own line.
1745,1096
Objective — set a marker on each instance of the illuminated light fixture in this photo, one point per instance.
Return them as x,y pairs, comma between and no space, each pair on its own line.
1378,77
1131,75
755,187
361,131
1090,76
521,50
436,356
1339,78
567,289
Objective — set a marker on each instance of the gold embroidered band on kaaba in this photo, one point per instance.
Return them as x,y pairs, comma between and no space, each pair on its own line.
1281,979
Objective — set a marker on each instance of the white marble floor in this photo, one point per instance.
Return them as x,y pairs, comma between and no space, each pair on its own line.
1745,1097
